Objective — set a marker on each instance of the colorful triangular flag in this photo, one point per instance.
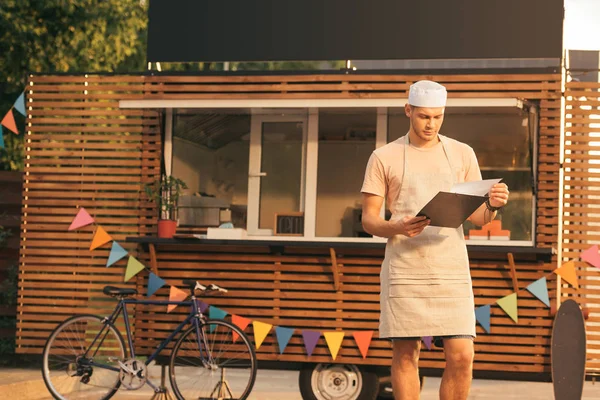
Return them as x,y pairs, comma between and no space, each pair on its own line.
482,315
154,283
9,122
591,256
116,253
283,337
261,330
363,340
539,289
176,294
334,342
202,306
509,305
428,340
134,267
567,272
310,340
241,323
81,219
19,104
100,238
1,138
215,313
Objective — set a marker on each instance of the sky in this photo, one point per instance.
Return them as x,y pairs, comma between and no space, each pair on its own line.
582,25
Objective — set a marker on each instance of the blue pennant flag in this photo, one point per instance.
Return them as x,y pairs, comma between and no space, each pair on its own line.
539,289
482,314
154,283
20,104
116,253
283,337
215,313
1,138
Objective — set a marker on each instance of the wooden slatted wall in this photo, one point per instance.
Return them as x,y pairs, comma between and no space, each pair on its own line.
581,213
529,350
82,151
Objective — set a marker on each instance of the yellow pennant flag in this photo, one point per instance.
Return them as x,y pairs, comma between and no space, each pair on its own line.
100,238
334,341
261,330
509,305
134,267
567,272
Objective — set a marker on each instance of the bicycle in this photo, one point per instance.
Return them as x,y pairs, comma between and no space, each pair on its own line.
85,356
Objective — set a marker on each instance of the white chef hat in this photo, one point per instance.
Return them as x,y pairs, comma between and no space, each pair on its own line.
427,94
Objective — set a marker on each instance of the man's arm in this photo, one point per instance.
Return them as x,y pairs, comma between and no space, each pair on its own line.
377,226
498,198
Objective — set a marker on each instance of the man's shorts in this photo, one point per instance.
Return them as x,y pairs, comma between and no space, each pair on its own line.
438,341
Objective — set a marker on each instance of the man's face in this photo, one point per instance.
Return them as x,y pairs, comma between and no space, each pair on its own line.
425,122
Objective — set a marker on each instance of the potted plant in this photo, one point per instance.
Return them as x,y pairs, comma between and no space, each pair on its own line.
165,191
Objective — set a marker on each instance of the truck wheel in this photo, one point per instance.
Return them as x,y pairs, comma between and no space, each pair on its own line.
337,381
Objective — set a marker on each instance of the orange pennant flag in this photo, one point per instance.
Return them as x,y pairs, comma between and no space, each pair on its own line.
241,323
100,238
567,272
176,295
363,340
9,122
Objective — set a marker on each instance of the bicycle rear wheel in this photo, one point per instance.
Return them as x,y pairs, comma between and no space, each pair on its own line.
224,369
80,359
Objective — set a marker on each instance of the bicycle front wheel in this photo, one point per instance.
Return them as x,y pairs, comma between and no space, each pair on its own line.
213,366
81,359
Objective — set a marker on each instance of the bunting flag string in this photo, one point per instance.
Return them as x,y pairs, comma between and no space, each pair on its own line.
539,289
333,339
334,342
19,104
240,322
283,337
100,238
9,122
363,340
154,283
310,340
482,315
509,305
591,256
261,330
117,252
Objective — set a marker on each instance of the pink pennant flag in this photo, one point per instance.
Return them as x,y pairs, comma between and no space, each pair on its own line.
591,256
81,219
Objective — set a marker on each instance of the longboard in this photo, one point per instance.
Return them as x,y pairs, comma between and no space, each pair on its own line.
568,352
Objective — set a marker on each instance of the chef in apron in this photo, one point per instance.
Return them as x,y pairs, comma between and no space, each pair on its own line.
425,279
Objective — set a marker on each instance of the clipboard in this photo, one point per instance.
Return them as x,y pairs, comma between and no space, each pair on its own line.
451,210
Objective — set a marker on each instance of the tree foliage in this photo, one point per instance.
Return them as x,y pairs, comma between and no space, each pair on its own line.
62,36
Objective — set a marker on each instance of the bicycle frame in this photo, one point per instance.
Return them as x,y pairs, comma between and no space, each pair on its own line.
194,316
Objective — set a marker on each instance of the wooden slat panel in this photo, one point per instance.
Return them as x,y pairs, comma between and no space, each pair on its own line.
68,167
581,189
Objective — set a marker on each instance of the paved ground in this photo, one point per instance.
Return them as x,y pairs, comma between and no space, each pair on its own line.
27,384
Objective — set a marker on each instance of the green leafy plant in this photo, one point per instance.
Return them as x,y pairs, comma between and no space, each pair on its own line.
165,192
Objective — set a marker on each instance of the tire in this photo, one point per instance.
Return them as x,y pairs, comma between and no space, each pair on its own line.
65,368
338,381
222,377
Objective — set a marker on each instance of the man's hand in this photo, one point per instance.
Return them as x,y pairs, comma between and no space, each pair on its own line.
410,226
499,195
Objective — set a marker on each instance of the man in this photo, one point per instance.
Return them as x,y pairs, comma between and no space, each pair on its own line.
425,280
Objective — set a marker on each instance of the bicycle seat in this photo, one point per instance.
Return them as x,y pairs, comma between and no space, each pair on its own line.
116,291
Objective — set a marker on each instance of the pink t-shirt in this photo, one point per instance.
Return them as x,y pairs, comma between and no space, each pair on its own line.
385,169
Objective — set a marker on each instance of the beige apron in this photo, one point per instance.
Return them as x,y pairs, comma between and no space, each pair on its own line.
425,280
